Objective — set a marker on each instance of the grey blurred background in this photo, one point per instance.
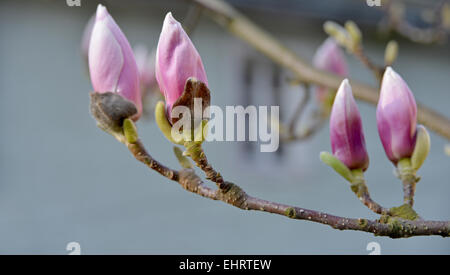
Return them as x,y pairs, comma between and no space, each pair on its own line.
63,180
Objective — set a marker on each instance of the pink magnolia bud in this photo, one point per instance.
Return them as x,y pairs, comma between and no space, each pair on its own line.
176,61
396,117
111,61
87,37
329,57
346,132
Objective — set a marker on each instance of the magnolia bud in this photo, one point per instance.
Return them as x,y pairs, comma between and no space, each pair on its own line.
346,132
391,52
329,57
87,38
354,32
396,117
177,60
339,33
111,61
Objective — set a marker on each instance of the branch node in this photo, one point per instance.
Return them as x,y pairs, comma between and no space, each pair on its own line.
233,195
189,180
404,211
290,212
363,223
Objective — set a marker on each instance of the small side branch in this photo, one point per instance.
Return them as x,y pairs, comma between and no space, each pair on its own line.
139,152
409,189
376,70
195,151
409,179
362,192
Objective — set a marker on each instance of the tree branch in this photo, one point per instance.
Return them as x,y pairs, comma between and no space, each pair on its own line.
242,27
362,192
393,227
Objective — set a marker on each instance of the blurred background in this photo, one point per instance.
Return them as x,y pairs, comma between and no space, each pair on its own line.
64,180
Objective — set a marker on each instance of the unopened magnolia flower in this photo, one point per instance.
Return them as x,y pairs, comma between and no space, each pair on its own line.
87,37
396,117
111,61
329,57
176,61
346,132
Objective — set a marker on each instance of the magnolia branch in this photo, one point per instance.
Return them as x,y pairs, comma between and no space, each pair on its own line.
116,113
390,226
113,114
237,24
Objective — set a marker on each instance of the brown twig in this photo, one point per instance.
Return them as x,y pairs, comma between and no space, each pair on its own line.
195,151
376,70
362,192
393,227
409,180
262,41
409,189
139,152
